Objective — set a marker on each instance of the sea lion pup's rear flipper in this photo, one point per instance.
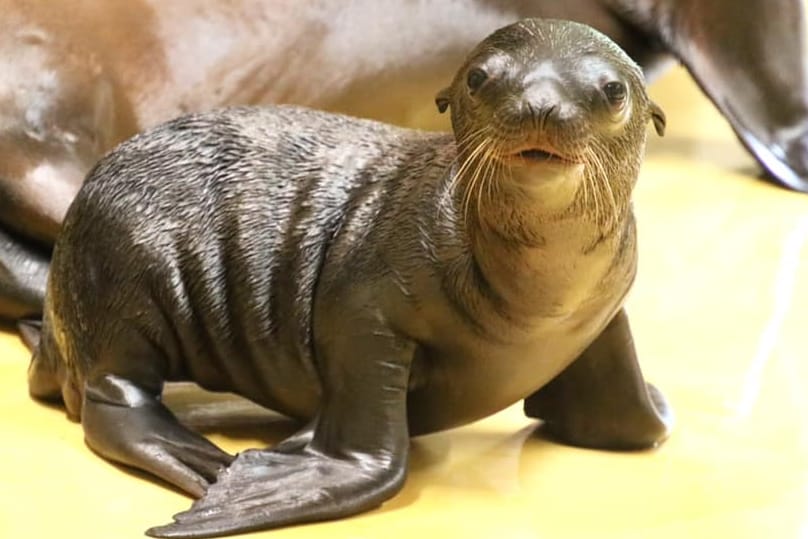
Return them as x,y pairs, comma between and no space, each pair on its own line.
126,423
355,460
753,65
124,420
601,400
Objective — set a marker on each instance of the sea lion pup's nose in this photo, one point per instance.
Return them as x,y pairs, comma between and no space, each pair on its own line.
538,114
546,103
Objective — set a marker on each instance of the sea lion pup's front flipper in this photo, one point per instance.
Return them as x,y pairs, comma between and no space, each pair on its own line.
355,460
601,399
753,65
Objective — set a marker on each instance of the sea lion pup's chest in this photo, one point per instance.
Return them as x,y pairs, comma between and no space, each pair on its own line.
491,322
478,349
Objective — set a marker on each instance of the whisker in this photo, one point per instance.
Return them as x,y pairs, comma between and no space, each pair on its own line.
472,159
496,172
472,139
488,173
614,217
590,176
479,172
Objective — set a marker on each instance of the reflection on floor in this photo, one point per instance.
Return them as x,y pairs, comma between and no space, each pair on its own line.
719,315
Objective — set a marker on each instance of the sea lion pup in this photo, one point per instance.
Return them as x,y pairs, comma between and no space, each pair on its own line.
374,281
80,77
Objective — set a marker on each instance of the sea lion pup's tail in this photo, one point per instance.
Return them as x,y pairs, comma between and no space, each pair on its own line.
43,382
47,379
30,332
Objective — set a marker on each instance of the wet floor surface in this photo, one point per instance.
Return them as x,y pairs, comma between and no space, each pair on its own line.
720,318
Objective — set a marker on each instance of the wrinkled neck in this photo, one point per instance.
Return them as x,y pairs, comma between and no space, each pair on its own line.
542,248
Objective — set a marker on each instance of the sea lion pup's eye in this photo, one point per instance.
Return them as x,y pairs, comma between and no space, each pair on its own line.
476,78
615,93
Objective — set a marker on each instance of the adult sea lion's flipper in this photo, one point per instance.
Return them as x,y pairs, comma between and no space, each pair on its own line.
601,399
753,64
355,460
23,277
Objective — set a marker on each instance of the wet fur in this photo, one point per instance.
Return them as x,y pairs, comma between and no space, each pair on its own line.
375,281
74,92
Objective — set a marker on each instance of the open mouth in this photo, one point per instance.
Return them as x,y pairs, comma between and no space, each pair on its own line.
541,155
535,154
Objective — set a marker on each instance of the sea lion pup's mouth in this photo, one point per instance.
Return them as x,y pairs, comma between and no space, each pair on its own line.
541,155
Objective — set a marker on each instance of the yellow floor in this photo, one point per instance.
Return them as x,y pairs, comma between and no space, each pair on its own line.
719,316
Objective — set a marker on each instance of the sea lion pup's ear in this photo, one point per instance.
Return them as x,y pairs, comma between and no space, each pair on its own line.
658,116
442,100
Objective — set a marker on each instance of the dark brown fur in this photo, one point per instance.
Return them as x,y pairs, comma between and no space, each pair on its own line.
82,75
374,281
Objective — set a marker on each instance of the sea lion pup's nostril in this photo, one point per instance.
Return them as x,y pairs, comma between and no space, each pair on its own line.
537,115
534,113
546,113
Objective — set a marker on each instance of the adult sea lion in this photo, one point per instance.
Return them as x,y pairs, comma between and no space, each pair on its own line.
375,281
80,76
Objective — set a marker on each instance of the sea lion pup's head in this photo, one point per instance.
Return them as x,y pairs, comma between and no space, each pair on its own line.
555,110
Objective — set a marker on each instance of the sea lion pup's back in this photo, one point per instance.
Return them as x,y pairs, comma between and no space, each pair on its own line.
211,193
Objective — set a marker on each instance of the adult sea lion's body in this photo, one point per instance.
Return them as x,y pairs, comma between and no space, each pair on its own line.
80,76
375,281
